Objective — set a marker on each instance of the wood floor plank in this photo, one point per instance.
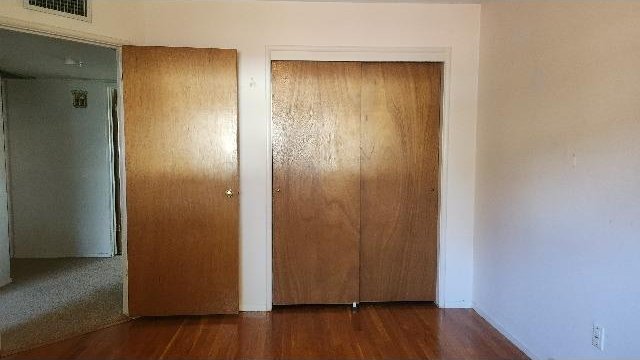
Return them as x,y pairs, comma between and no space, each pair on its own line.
380,331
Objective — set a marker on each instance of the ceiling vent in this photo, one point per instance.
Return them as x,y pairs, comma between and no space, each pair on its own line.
77,9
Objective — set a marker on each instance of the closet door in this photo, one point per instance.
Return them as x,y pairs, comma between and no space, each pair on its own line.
400,175
316,180
182,178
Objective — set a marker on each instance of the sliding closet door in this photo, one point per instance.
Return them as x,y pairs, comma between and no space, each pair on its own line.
400,175
316,180
182,178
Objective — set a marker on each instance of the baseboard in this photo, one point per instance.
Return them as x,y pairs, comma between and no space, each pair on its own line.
253,307
63,255
459,304
5,281
496,324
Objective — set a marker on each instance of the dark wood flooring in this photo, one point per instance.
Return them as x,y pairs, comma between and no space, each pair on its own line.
382,331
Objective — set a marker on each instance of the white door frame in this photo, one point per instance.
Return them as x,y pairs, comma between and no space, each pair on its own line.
113,150
7,166
364,54
113,43
4,164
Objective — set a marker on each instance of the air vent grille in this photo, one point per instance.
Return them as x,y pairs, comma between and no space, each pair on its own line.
71,8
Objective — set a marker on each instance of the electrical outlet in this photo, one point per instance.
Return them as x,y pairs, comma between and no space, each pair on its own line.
597,337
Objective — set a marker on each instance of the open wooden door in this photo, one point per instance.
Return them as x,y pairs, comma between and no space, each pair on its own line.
182,180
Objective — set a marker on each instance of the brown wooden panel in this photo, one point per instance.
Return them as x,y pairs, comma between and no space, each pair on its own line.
316,167
181,155
400,175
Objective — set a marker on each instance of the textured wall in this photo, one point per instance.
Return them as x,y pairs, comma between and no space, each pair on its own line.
60,169
558,192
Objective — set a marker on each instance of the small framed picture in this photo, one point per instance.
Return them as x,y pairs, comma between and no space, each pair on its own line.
79,98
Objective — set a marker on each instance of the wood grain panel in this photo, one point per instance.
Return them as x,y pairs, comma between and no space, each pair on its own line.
400,176
316,167
181,155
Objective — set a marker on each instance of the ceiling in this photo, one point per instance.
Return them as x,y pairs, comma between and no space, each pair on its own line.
36,56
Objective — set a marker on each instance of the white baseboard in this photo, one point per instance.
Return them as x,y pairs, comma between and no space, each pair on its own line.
63,255
459,304
496,324
449,305
253,307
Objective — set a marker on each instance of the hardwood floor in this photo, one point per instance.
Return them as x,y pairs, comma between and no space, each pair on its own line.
381,331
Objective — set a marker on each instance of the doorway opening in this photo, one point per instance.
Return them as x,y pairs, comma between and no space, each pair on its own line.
60,244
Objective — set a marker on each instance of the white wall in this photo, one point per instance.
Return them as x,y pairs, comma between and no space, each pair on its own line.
558,192
60,169
5,273
250,26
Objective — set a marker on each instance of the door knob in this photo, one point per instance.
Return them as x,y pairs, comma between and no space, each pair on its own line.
229,193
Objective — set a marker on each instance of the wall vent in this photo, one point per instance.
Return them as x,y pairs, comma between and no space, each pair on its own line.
77,9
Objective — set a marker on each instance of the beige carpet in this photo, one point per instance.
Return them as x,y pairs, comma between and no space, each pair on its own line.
53,299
